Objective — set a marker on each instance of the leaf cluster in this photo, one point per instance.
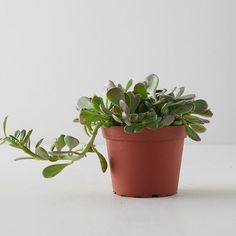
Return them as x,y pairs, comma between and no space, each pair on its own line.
65,148
144,106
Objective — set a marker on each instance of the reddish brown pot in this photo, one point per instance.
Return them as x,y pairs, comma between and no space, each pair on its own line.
145,164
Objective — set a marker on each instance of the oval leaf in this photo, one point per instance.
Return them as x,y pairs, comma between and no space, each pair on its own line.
115,95
130,129
192,134
195,119
128,85
102,160
180,92
39,143
182,109
97,102
5,126
187,97
152,82
60,143
71,142
110,84
140,89
42,153
200,105
84,103
167,120
207,113
198,128
117,119
87,117
53,170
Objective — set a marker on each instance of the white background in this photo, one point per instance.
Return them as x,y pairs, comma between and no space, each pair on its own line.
54,51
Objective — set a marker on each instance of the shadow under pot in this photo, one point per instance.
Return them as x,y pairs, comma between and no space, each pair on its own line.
145,164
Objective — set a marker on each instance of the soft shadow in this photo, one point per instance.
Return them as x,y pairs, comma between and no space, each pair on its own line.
206,193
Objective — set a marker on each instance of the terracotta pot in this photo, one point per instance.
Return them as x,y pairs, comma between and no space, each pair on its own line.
145,164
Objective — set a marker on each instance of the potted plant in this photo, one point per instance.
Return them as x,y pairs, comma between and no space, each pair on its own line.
144,128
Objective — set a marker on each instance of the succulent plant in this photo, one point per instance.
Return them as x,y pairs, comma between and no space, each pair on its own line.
144,106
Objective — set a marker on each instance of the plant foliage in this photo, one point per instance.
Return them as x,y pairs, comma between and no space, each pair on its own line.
144,106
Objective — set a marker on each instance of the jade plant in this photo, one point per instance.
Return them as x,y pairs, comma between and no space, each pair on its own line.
145,106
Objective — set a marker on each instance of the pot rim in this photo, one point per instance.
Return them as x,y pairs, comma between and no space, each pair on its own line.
160,134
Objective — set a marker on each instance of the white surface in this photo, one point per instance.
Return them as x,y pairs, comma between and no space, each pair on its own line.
54,51
80,201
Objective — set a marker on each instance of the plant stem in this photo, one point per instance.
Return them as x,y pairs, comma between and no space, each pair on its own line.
28,151
89,144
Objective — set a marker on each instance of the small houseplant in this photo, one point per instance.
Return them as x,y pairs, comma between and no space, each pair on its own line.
144,128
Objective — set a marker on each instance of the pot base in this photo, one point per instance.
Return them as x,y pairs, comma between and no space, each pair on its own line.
145,195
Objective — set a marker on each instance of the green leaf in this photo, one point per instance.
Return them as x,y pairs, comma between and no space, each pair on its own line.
53,170
27,137
141,116
108,124
198,128
180,92
182,109
152,82
195,119
167,120
39,143
87,117
152,125
200,105
24,158
105,110
134,101
11,138
17,133
121,87
171,92
117,119
60,142
84,103
128,85
115,95
139,128
22,134
149,118
5,126
110,84
140,89
102,160
177,122
71,142
191,133
207,113
130,129
97,102
116,110
165,109
42,153
142,108
187,97
176,104
134,117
